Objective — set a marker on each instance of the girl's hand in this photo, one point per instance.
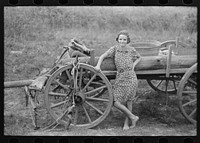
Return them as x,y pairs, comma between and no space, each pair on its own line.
134,67
136,62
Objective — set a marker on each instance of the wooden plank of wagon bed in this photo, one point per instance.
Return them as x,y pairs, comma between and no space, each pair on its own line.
147,63
151,72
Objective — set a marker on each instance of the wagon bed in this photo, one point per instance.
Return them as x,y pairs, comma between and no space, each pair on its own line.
80,87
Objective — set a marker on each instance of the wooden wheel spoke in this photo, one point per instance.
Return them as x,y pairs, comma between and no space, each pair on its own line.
86,113
190,92
64,86
159,83
193,112
68,74
57,87
75,79
89,82
57,94
97,99
99,111
57,104
174,83
190,102
188,95
95,90
80,77
63,114
192,81
76,115
97,83
166,85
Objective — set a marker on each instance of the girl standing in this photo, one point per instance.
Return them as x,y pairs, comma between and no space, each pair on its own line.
125,86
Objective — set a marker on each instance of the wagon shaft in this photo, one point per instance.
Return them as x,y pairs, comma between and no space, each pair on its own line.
20,83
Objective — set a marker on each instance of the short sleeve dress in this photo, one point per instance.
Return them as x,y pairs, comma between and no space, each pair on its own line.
126,83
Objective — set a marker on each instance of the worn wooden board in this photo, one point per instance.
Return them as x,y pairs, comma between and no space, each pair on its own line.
148,65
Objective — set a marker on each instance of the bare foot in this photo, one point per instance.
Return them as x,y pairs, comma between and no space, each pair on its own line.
125,127
134,121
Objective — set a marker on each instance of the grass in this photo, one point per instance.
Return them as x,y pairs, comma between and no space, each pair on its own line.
42,44
39,51
16,122
150,107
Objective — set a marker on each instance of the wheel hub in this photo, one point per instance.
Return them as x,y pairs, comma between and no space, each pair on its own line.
79,97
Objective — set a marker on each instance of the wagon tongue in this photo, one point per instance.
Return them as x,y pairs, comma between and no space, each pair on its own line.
39,82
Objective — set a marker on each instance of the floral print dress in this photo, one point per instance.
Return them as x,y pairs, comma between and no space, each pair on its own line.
125,85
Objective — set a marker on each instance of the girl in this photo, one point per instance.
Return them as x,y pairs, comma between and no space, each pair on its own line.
124,89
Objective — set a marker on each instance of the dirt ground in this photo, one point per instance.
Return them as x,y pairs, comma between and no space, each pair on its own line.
145,127
155,119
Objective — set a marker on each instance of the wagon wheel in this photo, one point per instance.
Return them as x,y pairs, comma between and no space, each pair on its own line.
94,85
90,107
187,94
160,85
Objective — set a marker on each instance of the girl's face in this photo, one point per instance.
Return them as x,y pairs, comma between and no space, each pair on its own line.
122,40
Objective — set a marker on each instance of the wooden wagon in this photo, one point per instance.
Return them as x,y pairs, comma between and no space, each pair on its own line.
76,94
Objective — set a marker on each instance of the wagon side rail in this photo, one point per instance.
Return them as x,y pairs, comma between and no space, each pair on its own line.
151,63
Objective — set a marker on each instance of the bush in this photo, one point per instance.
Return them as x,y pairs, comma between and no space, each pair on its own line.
190,23
23,22
41,30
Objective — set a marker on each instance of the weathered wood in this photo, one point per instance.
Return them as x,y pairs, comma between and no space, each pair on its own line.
160,62
20,83
147,48
147,65
169,56
92,57
152,72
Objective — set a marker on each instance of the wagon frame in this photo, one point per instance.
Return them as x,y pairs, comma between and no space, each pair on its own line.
74,92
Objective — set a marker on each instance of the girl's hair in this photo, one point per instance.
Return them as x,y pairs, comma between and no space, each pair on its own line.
123,32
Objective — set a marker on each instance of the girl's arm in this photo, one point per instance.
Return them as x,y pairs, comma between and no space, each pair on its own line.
101,58
108,53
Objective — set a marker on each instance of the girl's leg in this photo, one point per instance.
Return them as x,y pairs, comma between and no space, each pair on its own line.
125,110
126,123
130,106
134,122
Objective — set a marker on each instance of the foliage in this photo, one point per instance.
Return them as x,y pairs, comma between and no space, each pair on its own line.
40,32
190,23
20,21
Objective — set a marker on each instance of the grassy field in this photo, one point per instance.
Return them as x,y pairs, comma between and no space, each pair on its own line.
156,119
38,52
41,32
